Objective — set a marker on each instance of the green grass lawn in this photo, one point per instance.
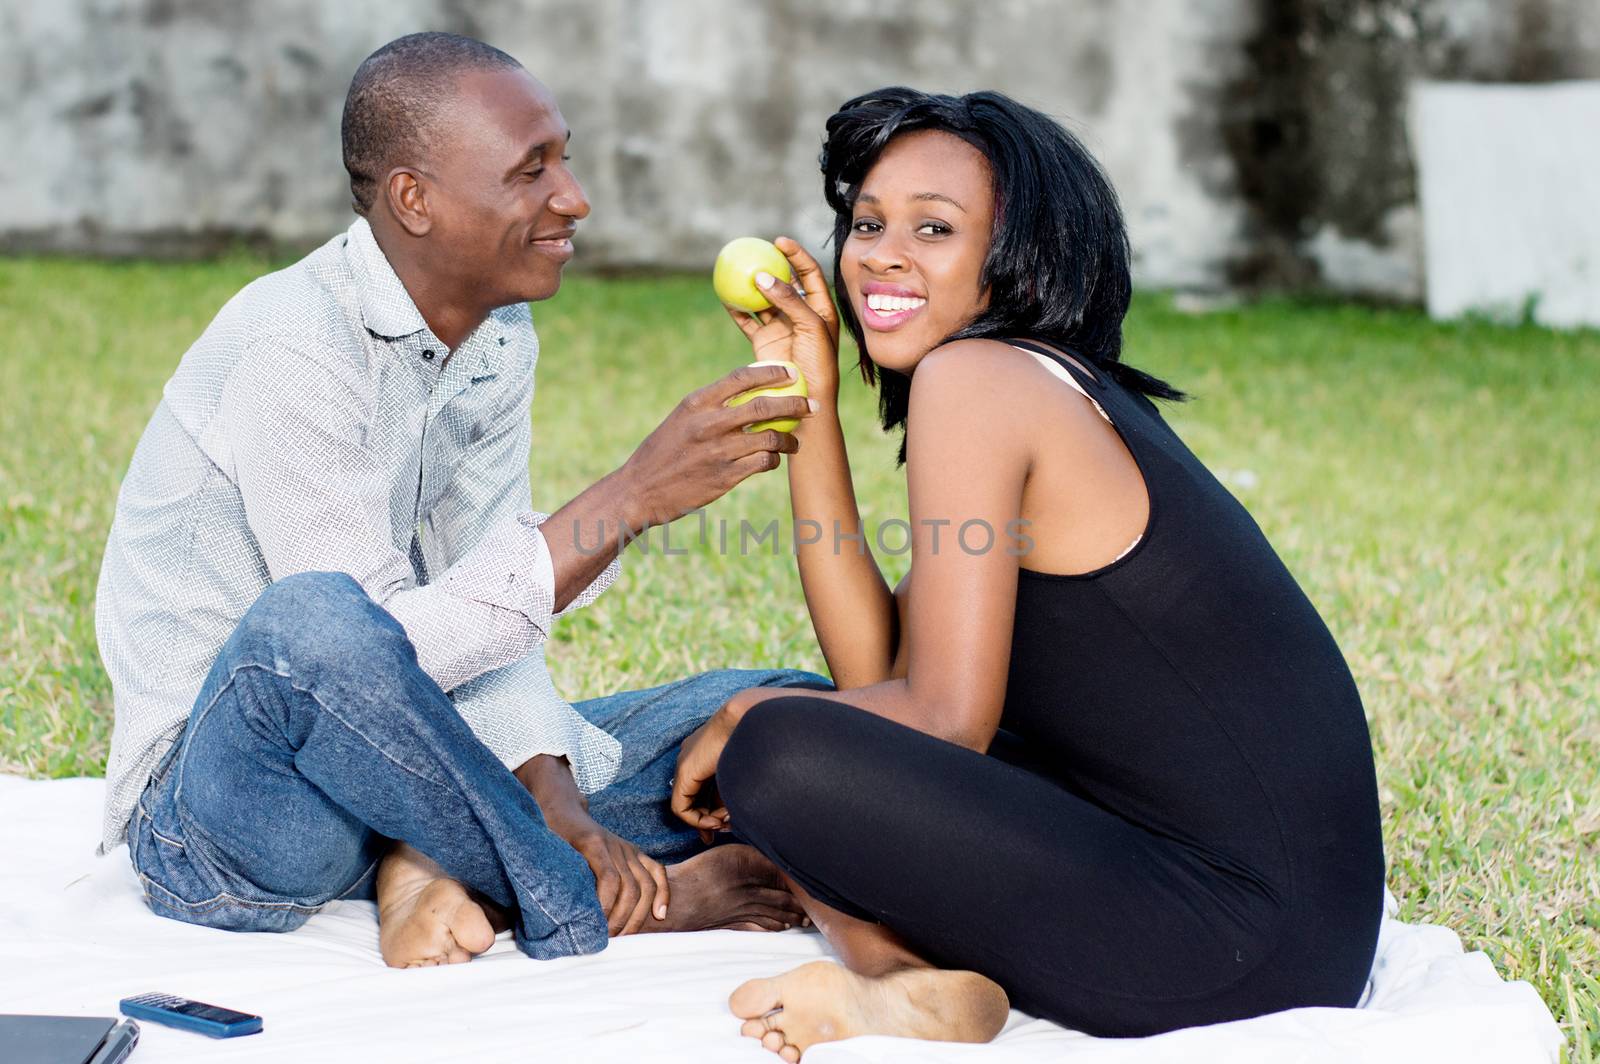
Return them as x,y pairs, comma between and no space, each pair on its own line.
1433,487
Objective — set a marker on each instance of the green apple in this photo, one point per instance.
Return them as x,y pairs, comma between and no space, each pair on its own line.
794,387
734,276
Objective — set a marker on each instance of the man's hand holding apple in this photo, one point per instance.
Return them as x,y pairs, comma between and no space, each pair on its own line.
702,450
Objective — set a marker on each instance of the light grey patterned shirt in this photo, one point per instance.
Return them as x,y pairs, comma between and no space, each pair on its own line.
311,427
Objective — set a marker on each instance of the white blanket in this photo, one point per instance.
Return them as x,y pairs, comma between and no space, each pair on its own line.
75,938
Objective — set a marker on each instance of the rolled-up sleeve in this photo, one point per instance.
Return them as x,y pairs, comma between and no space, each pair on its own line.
517,714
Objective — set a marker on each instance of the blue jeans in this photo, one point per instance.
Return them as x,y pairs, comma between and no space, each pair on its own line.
316,738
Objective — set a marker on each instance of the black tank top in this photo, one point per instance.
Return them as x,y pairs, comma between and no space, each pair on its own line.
1191,688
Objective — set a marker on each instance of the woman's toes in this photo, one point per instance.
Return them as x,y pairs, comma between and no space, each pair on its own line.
789,1053
754,1028
773,1040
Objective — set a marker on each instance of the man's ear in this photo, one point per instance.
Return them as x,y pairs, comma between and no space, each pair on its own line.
408,201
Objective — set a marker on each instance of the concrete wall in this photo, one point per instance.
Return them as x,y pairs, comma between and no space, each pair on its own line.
1521,163
1316,125
1252,141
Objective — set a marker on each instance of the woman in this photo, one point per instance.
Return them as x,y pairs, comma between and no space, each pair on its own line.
1108,766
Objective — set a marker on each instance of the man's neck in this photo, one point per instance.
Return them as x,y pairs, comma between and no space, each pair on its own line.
451,314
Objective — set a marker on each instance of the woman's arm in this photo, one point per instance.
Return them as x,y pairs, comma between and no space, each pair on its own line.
852,609
968,454
851,606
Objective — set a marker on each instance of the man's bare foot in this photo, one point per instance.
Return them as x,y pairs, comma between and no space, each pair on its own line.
425,917
729,886
825,1002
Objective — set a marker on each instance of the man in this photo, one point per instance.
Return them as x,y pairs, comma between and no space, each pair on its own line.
325,595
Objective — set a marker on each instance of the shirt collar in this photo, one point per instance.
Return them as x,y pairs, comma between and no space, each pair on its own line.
388,310
483,347
386,306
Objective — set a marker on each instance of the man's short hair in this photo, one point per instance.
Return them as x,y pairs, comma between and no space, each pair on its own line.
396,98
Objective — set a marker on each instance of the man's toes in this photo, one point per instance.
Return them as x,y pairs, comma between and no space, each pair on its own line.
773,898
773,919
755,998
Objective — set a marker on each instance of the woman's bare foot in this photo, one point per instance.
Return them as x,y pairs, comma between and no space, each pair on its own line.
825,1002
425,917
729,886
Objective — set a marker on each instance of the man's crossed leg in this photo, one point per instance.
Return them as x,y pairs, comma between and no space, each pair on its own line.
316,740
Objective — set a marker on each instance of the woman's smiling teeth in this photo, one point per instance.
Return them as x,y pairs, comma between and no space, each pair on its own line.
885,304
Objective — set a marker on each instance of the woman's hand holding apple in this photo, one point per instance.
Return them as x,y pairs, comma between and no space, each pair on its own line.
799,329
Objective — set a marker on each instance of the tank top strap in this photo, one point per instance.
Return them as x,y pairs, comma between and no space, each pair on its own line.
1070,373
1078,371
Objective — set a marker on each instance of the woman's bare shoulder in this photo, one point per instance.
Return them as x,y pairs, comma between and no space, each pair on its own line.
984,382
964,361
970,410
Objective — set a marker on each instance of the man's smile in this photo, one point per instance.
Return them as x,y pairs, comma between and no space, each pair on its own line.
557,245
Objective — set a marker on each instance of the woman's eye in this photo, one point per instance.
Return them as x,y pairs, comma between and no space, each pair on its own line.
864,225
933,228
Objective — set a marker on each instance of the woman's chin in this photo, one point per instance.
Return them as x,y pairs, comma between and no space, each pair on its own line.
900,357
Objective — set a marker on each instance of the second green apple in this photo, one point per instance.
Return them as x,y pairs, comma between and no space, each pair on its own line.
794,387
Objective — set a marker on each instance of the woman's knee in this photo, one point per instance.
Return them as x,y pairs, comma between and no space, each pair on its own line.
777,762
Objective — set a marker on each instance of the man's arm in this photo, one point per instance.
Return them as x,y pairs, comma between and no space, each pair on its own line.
316,497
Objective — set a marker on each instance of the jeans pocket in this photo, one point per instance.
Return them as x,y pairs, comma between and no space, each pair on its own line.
179,888
180,883
161,861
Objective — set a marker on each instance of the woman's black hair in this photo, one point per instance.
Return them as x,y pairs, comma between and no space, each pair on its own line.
1057,268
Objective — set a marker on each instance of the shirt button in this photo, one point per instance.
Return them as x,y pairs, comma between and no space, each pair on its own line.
428,354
